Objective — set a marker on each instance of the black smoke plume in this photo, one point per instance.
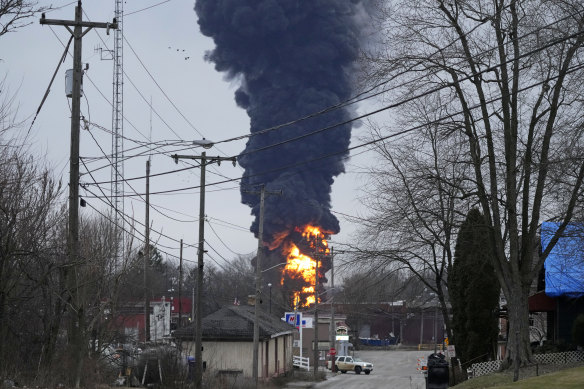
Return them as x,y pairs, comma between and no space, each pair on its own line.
292,58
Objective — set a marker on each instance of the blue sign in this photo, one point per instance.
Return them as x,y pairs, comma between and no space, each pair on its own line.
289,318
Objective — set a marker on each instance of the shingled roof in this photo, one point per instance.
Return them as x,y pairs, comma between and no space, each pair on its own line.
235,323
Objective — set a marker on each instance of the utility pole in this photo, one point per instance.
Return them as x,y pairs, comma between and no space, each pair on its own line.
180,278
435,337
270,286
296,301
78,324
333,325
256,323
422,325
147,258
200,251
315,324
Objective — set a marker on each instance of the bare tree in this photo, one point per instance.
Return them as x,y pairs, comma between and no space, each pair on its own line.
417,196
512,72
15,14
370,294
29,220
99,278
239,275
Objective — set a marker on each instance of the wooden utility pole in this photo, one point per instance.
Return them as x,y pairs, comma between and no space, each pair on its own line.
256,326
180,278
333,326
315,324
422,324
78,323
200,251
147,258
256,323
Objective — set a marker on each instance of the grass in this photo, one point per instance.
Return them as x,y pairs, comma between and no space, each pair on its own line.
564,379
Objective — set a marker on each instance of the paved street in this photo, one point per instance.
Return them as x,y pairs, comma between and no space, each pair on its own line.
391,369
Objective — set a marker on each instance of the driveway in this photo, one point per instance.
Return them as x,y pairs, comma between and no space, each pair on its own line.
391,369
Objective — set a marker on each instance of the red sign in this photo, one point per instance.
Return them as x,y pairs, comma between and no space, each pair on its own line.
333,351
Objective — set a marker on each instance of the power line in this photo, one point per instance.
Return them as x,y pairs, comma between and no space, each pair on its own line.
145,153
380,84
152,175
216,252
359,98
96,87
400,102
123,179
230,225
413,98
136,88
142,240
144,9
58,8
162,90
374,141
221,240
340,105
124,217
140,93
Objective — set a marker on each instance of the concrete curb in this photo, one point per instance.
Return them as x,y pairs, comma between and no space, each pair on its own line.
299,384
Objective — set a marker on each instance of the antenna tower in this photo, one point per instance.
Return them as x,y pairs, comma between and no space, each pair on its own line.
117,172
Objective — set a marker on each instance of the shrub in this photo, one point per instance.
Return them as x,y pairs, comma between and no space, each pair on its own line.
578,330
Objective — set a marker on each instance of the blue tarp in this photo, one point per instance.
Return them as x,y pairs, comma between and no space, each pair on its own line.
564,266
378,342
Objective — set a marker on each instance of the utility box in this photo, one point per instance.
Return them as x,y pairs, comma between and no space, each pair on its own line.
69,83
437,372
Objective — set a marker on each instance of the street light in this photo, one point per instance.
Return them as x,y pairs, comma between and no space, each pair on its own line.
201,250
204,143
270,286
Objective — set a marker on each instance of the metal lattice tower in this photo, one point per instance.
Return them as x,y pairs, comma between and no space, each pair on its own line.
117,172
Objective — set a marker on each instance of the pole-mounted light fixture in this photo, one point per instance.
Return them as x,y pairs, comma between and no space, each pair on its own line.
204,143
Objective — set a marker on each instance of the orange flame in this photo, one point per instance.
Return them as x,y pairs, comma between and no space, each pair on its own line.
301,266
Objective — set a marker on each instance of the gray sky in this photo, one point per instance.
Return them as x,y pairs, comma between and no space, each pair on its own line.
166,41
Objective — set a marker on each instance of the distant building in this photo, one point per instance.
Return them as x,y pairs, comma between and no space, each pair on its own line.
128,319
395,322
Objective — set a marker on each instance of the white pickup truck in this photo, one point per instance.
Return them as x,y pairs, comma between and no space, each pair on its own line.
346,363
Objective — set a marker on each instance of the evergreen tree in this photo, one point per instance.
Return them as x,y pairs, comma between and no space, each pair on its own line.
474,292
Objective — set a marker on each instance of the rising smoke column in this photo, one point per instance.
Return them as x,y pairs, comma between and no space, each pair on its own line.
292,58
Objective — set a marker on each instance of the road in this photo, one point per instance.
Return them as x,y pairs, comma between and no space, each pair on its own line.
391,369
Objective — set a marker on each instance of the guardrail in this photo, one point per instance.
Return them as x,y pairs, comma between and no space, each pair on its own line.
301,362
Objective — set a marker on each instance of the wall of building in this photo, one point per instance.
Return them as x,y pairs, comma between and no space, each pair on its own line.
279,358
238,356
323,339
